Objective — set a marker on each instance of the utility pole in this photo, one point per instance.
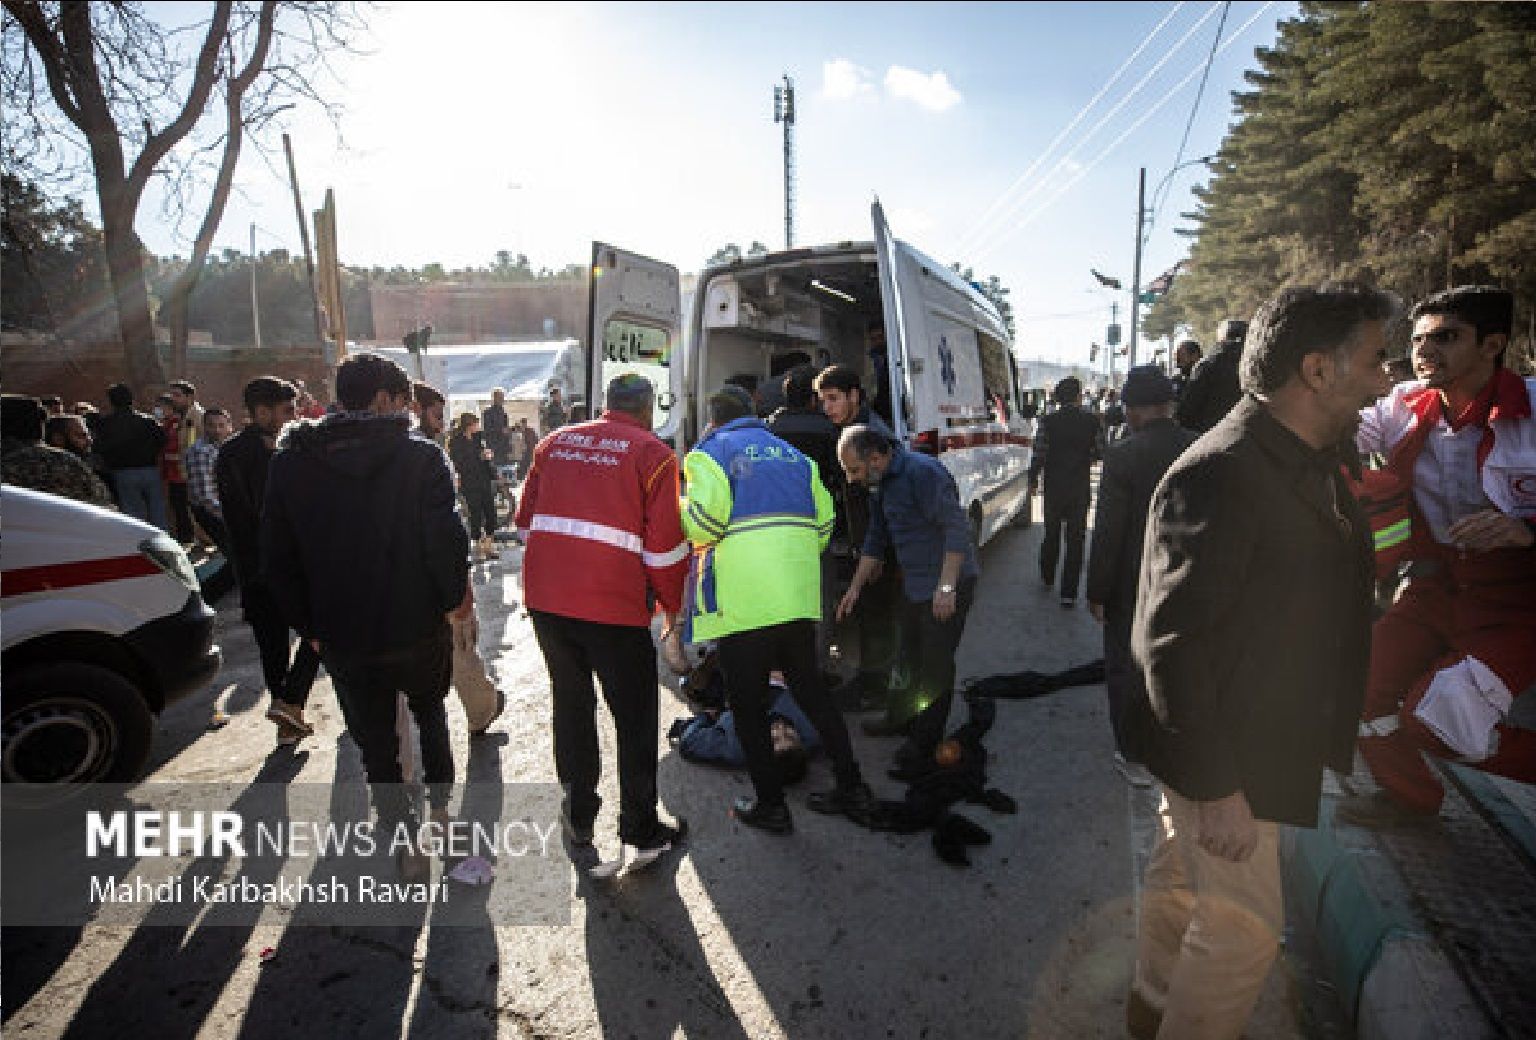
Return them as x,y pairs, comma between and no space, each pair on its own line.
1141,210
309,256
784,112
255,303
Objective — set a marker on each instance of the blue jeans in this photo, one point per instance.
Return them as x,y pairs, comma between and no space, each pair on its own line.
141,495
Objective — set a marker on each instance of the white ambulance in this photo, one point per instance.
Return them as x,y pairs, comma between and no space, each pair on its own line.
103,624
931,350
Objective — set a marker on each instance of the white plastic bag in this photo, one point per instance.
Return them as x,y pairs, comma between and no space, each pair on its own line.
1463,705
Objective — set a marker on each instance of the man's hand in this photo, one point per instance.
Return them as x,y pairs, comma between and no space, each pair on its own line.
943,605
1491,529
850,600
1097,610
1227,828
1034,487
466,631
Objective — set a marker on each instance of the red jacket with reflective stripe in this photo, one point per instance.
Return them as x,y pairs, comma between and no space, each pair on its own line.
599,516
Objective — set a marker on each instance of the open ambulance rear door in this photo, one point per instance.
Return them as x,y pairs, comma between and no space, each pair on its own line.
635,325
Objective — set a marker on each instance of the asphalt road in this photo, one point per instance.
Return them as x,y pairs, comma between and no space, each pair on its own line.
834,932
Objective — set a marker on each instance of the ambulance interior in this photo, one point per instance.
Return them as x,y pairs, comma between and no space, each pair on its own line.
763,322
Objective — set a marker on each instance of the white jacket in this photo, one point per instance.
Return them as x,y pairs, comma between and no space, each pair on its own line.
1509,472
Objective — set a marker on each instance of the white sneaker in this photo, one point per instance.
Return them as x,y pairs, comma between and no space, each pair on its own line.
1135,773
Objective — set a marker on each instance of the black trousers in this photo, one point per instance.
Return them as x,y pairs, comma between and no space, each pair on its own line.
213,526
1130,710
746,658
879,619
480,508
367,686
624,661
287,681
1069,510
180,508
930,646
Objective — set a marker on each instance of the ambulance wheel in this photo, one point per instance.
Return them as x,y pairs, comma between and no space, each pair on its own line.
72,723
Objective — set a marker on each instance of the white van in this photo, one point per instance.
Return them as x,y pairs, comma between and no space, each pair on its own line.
103,625
947,377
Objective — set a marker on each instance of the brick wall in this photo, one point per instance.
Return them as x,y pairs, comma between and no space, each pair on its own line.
83,371
480,313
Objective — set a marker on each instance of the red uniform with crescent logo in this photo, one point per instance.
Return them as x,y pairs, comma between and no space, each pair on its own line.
1449,657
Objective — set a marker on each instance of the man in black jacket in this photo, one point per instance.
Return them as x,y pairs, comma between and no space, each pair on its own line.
1253,629
1213,388
240,474
1070,441
129,444
1132,469
801,423
842,399
367,554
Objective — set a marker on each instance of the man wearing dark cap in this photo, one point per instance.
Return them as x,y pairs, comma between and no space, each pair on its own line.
1070,441
1132,469
1213,389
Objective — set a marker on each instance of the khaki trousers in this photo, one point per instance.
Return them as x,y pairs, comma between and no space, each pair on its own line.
1209,930
470,678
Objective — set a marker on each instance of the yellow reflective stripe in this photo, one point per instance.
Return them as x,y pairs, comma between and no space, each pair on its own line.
1395,535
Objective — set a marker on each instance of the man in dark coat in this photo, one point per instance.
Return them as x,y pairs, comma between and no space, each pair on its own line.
1132,469
1213,388
240,475
1069,442
367,555
841,394
1253,629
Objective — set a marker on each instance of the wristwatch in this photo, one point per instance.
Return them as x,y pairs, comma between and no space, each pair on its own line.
948,590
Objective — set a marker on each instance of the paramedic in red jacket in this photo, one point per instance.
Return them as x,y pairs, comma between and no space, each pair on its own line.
1459,644
599,516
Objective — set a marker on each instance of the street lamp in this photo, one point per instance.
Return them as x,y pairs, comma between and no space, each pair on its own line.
1144,220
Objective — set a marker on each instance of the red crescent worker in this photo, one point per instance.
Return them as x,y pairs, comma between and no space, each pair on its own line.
1459,645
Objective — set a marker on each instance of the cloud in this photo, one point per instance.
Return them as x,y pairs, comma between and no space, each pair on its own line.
842,80
932,91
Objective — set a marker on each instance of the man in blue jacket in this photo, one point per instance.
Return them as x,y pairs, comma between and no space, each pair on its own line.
915,510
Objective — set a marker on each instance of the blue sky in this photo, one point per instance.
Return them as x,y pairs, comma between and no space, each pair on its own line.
537,128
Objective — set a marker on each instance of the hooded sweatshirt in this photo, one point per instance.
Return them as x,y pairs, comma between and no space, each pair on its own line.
362,542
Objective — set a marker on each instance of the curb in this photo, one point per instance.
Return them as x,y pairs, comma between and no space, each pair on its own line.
1391,975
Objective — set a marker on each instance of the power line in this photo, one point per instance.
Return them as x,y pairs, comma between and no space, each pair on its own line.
1062,164
982,222
1085,170
1190,123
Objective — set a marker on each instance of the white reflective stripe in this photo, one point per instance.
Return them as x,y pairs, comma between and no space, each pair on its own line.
590,531
1384,726
666,559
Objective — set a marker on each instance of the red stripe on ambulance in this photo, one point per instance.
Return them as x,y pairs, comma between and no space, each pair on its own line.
54,576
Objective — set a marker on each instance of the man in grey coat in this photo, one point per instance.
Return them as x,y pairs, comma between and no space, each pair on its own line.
1252,627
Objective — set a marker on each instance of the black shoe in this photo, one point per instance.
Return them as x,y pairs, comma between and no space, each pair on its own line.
885,726
662,840
775,819
584,855
1377,811
857,802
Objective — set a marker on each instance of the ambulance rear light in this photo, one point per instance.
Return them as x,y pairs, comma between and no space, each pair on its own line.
926,442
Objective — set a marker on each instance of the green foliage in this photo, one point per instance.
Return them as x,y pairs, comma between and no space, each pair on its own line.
1388,143
53,268
993,289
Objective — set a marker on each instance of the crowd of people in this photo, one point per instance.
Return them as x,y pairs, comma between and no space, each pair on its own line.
1233,567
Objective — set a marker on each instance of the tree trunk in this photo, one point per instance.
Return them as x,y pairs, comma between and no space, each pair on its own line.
130,290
